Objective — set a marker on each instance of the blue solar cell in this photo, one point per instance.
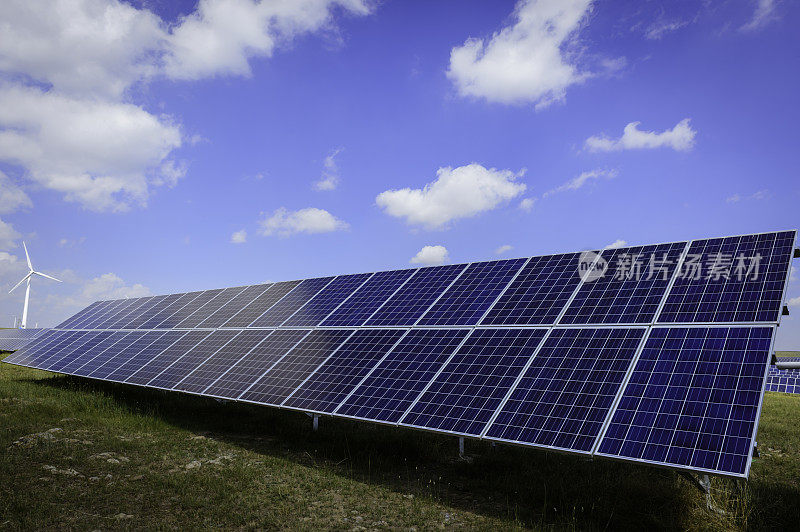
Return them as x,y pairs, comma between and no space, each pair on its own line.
390,389
288,305
291,370
342,372
472,385
66,350
118,321
221,361
80,316
366,300
257,362
468,299
538,293
139,354
111,309
122,340
40,353
262,303
240,301
26,354
631,289
158,363
90,351
202,313
566,393
192,358
322,304
692,400
716,283
132,345
409,303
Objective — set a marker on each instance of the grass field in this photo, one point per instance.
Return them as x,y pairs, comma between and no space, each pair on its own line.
83,454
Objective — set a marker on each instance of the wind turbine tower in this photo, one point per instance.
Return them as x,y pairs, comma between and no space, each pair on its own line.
27,280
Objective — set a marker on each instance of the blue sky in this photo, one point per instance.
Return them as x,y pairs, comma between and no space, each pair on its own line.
156,147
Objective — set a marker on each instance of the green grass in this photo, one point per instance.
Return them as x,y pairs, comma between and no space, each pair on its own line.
83,454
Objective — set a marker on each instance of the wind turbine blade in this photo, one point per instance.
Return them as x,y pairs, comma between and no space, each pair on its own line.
45,275
19,283
30,266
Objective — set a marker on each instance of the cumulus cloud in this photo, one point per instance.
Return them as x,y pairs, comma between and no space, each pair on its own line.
527,204
66,115
679,138
581,181
8,235
12,197
456,193
330,172
239,237
505,248
100,154
527,62
430,255
763,15
618,243
222,35
310,220
794,302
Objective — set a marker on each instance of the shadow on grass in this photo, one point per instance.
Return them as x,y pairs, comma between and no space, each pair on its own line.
527,486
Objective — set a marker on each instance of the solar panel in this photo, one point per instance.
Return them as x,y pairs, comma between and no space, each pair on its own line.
91,309
566,392
412,299
138,354
470,296
88,351
341,373
13,339
192,358
272,295
132,345
102,314
288,305
118,321
366,300
291,370
161,361
538,293
472,385
28,354
153,309
322,304
631,289
393,385
214,366
734,279
237,303
56,352
159,316
202,313
103,355
254,364
692,400
187,310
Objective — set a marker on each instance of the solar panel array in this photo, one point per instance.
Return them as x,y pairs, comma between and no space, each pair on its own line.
13,339
784,380
645,360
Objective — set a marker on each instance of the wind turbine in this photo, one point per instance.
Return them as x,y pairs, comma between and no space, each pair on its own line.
27,279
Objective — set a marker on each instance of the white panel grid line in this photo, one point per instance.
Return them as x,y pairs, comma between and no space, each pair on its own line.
443,292
238,397
188,352
211,385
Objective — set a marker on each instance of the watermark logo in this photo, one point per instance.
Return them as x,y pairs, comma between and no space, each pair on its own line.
712,267
591,266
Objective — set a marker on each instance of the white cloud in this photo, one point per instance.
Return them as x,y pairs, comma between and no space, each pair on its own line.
8,235
793,274
756,196
763,15
239,237
103,155
679,138
456,193
582,180
110,286
222,35
309,220
527,61
658,29
330,173
12,197
71,243
430,255
618,243
794,302
505,248
527,204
